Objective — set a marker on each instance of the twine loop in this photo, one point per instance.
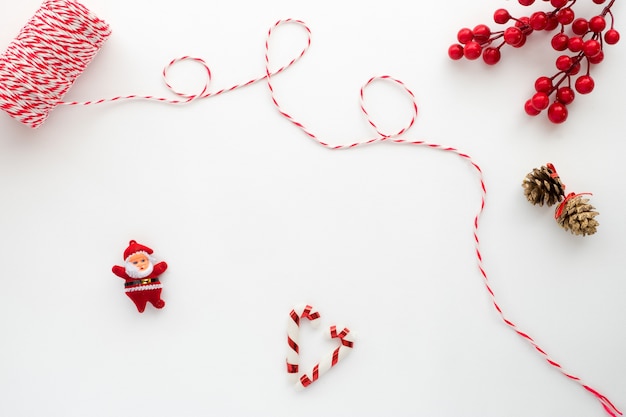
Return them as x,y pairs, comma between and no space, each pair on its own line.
186,96
405,89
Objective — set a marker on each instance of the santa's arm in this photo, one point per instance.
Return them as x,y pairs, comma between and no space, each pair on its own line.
159,268
120,271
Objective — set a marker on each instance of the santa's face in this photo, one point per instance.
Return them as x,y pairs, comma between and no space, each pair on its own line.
139,265
140,261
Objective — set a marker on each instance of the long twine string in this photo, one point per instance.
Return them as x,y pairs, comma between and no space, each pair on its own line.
205,89
396,138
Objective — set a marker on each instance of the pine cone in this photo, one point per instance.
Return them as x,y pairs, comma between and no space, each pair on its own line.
577,216
543,186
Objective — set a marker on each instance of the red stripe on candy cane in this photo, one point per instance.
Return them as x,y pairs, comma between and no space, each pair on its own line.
295,317
305,381
293,346
335,357
309,314
395,138
341,336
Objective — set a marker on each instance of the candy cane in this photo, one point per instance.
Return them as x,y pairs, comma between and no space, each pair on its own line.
301,311
347,342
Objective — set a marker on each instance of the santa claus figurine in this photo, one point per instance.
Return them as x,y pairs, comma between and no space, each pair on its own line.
141,274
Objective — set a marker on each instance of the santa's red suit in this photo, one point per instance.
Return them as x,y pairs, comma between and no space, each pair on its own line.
143,288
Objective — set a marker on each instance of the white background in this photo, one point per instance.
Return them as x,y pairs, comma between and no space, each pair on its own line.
254,217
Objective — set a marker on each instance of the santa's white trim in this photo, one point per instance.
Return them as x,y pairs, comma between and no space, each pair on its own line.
143,288
142,252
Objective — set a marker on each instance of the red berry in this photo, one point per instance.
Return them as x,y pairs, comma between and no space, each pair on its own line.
538,20
611,37
540,101
564,62
455,51
481,33
465,35
524,24
501,16
543,84
530,109
580,26
584,84
558,3
592,48
575,69
552,24
557,112
513,36
575,44
559,42
472,50
599,1
596,59
521,43
565,16
597,24
526,2
491,56
565,95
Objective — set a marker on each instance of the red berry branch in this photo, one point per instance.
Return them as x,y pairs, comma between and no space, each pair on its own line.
581,41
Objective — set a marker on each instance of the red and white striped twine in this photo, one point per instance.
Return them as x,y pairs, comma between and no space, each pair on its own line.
55,47
396,139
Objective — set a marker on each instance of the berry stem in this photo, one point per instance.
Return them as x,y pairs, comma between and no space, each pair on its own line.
567,73
607,9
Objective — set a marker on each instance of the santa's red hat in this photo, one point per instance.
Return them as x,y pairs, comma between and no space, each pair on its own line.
134,247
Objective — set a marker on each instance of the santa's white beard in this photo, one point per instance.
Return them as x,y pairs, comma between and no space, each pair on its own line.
134,272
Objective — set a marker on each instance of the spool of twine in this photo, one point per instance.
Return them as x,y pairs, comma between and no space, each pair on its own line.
47,56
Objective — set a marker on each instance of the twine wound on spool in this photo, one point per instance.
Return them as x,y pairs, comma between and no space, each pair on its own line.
46,57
